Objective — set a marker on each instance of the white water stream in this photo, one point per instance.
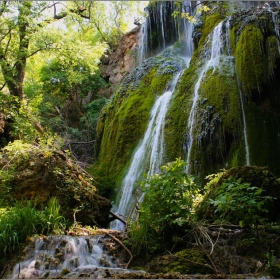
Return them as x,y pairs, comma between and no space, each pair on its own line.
149,152
213,62
54,256
217,49
275,20
247,154
162,26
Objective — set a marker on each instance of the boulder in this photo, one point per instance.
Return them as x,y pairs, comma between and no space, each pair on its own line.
39,172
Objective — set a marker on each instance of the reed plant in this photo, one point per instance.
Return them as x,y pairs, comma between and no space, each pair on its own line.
24,220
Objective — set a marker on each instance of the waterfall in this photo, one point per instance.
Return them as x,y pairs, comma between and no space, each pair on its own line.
275,20
161,29
217,49
54,256
149,152
143,48
213,62
247,155
188,30
161,22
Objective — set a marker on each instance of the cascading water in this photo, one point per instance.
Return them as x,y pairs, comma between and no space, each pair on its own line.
188,30
54,256
143,49
219,47
149,152
161,22
275,20
161,29
213,62
151,149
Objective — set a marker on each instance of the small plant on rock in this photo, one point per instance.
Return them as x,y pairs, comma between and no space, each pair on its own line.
241,203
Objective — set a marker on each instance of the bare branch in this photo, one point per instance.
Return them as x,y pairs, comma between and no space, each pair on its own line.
48,7
3,86
118,241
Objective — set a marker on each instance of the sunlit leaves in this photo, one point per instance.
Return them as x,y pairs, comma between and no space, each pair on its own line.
239,202
170,196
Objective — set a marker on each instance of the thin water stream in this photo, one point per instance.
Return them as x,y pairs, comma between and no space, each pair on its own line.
213,62
149,152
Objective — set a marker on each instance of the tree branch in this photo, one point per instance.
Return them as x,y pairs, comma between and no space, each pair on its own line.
83,143
3,86
3,7
8,44
48,7
119,242
115,216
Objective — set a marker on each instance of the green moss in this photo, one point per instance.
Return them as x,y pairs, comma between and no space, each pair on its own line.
218,138
263,134
233,34
272,50
123,122
187,261
210,20
250,60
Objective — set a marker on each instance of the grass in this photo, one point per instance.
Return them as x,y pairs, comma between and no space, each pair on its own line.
23,220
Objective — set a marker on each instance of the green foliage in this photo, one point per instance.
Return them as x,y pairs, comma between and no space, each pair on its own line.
170,196
187,16
19,117
107,19
169,202
53,221
240,203
23,220
63,77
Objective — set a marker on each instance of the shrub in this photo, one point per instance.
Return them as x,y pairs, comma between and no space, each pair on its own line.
240,203
168,206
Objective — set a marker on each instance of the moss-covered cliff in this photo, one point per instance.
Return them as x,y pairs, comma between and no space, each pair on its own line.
246,77
248,69
123,121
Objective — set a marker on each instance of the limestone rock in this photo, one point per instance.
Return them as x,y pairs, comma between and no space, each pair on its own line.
119,62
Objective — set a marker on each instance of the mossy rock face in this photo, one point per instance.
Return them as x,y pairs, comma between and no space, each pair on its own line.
123,122
246,76
259,177
187,261
38,173
217,134
255,48
218,123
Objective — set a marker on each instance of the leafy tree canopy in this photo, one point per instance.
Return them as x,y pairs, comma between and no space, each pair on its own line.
29,27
